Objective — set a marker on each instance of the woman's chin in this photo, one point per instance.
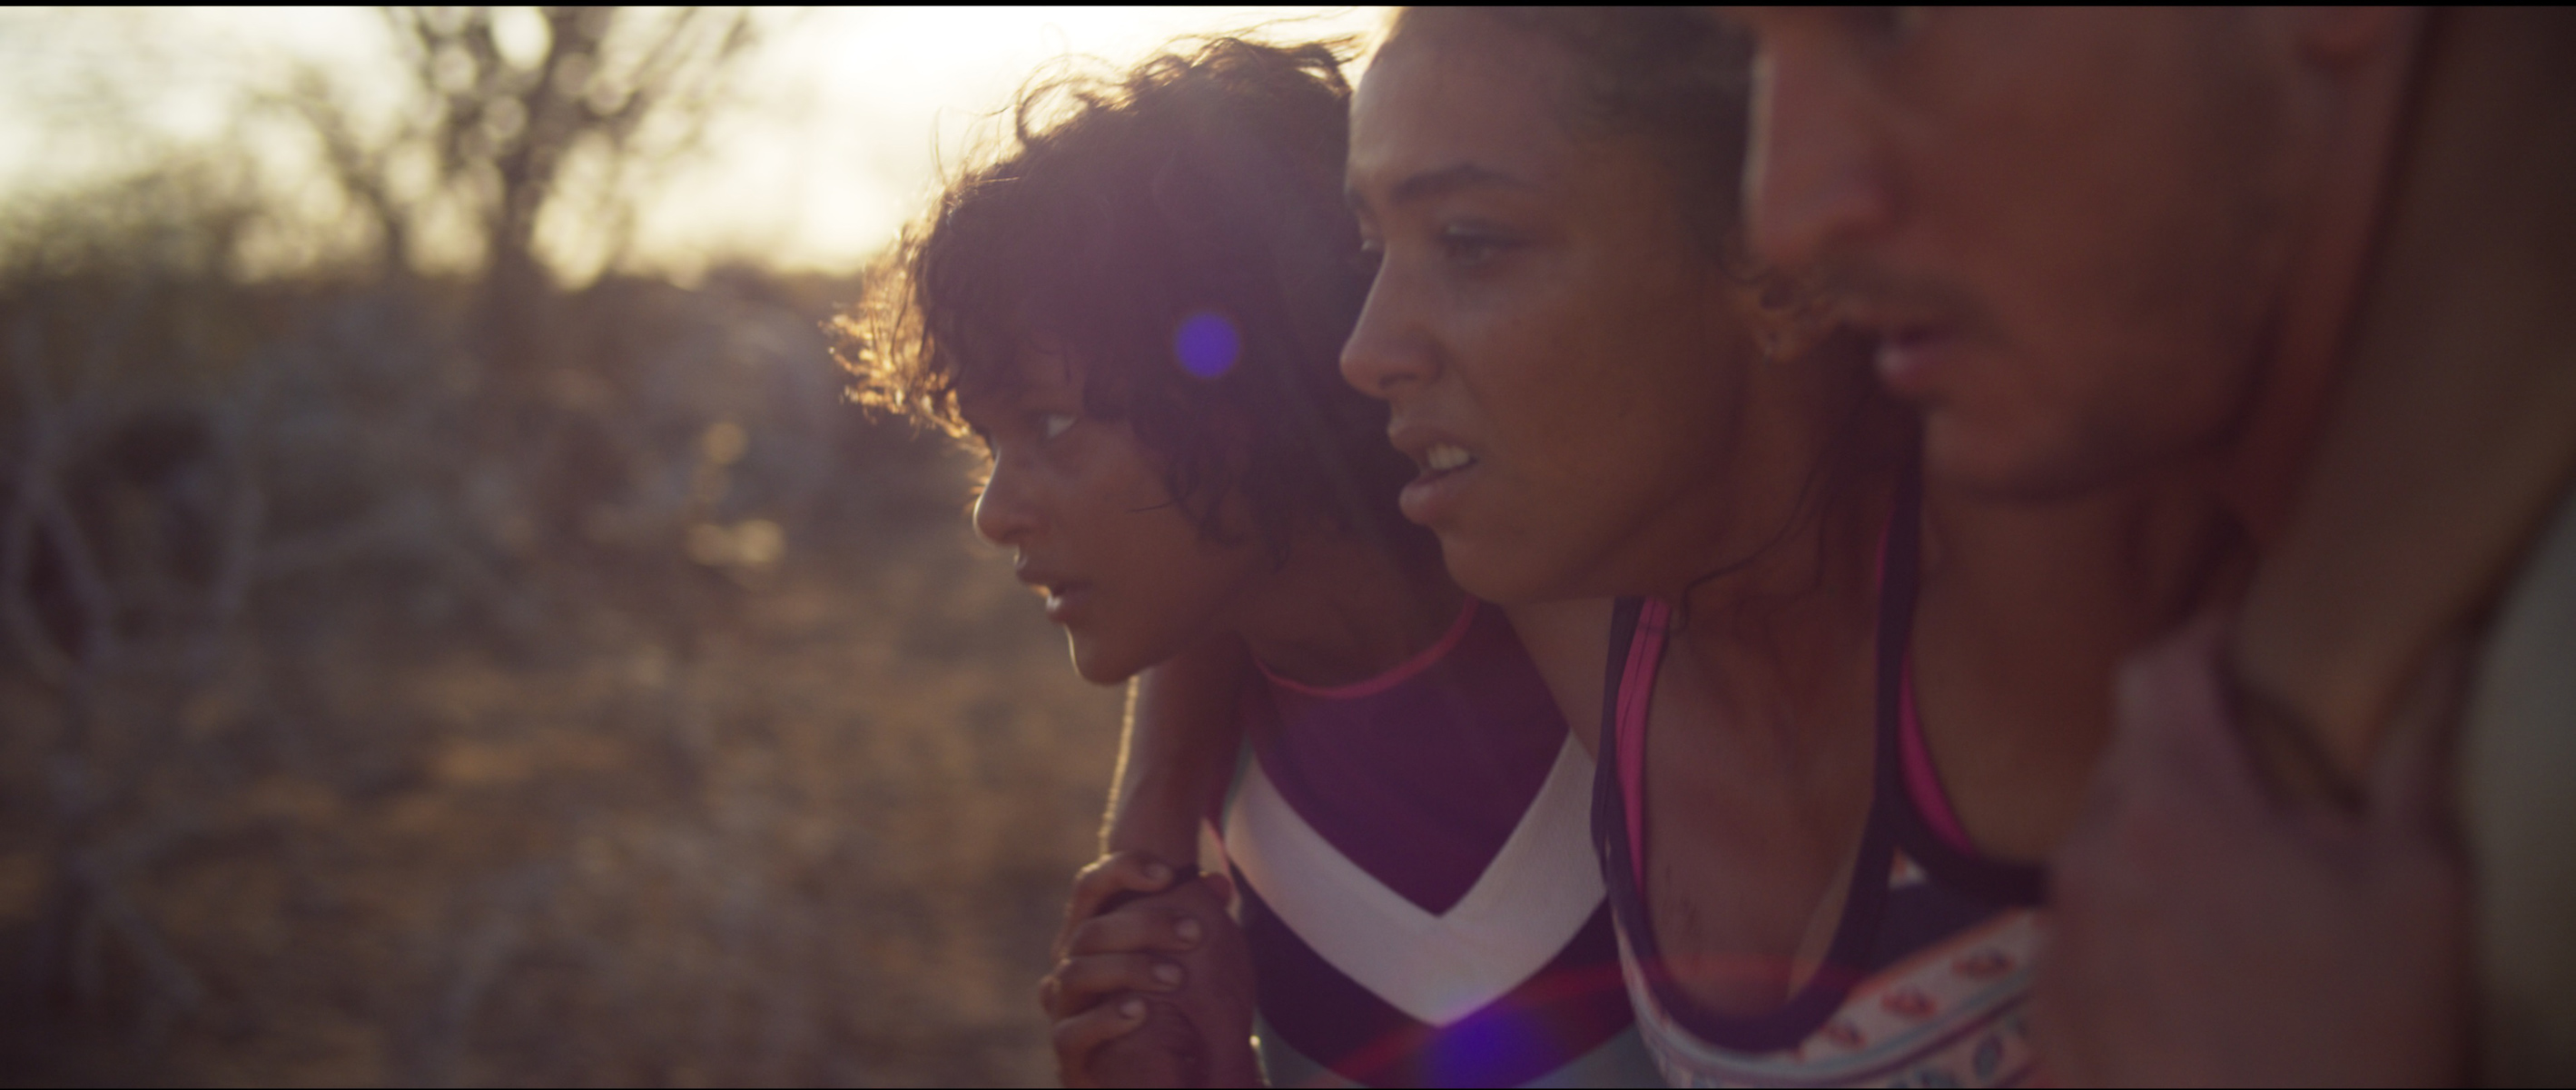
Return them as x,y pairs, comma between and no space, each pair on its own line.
1492,574
1102,665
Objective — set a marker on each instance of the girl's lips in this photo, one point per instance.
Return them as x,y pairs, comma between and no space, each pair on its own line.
1065,604
1431,497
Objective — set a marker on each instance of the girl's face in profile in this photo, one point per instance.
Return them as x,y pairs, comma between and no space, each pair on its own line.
1559,350
1084,506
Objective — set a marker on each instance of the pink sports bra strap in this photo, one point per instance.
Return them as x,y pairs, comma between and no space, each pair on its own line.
1636,694
1922,783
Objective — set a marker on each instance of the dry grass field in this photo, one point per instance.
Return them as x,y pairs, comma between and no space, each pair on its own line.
616,706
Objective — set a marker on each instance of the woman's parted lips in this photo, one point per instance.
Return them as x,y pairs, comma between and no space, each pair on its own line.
1433,449
1448,468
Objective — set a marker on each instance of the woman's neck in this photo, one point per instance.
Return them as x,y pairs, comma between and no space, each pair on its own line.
1783,625
1791,587
1343,610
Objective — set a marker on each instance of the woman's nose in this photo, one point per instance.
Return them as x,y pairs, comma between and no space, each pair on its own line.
1386,352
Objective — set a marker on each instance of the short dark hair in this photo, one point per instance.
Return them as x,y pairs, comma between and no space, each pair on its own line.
1201,188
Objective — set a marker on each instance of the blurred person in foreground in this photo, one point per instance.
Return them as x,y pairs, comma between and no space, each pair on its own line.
2320,260
1137,309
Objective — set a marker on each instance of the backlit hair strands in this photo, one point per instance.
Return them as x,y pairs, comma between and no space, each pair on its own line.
1178,232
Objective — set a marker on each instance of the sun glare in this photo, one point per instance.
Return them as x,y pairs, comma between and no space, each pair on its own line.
874,102
840,125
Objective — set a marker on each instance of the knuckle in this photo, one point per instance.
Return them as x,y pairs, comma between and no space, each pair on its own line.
1083,935
1083,977
1083,886
1071,1037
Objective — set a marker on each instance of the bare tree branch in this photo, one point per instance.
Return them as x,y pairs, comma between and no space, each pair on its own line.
501,131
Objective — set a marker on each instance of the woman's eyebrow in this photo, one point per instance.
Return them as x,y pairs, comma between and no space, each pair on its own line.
1445,181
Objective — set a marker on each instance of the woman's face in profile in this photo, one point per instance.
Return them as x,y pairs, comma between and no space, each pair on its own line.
1558,350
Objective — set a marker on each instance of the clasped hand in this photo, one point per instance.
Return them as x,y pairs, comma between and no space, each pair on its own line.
1152,983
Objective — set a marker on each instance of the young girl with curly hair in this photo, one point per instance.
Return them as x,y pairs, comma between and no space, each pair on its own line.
1137,310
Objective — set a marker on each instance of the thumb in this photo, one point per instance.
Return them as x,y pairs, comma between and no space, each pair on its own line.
1220,884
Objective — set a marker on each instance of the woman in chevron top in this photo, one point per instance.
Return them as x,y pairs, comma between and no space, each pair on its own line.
1137,310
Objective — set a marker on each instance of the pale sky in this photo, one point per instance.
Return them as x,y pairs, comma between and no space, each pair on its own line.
847,113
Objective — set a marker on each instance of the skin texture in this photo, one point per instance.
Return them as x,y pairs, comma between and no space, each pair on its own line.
1083,503
1541,303
2102,246
2311,903
2075,283
1498,247
1131,579
1176,755
1126,573
2024,613
1119,983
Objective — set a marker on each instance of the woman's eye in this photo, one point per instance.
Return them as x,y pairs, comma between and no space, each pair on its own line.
1053,424
1471,246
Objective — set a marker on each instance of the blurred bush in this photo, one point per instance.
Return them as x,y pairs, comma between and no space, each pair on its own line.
430,678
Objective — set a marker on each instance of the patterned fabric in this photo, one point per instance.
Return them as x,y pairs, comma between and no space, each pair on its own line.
1418,886
1928,974
1950,1014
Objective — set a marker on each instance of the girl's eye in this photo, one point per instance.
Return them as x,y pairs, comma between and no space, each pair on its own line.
1473,246
1053,424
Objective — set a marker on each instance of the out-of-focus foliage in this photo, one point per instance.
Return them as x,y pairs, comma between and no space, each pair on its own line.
399,688
511,116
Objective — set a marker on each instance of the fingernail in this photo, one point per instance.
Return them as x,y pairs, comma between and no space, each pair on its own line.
1188,930
1168,974
1156,872
1133,1008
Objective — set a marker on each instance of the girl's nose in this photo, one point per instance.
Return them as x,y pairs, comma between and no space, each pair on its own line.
1003,513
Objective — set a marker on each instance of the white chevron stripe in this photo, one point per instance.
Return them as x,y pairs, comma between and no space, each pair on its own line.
1530,901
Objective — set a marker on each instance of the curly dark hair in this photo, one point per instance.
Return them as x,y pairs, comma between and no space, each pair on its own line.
1201,188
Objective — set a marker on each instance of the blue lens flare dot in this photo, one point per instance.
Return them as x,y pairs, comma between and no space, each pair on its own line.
1206,344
